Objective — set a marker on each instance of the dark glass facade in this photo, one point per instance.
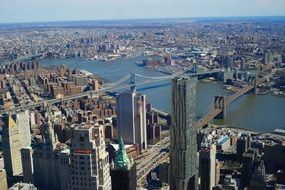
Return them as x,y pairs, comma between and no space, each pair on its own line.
124,179
183,157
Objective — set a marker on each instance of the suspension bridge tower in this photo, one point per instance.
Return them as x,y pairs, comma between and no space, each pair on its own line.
220,103
133,82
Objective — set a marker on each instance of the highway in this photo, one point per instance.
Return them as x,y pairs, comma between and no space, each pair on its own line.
150,159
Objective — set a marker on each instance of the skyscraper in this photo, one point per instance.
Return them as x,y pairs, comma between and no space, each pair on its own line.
89,159
258,178
3,180
11,147
131,118
243,144
45,159
123,171
27,164
207,166
16,135
23,121
247,163
183,134
64,168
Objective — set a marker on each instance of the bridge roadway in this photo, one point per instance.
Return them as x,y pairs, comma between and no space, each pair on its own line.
160,112
214,111
106,88
141,176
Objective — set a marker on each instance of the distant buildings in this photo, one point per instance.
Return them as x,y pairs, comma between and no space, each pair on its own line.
167,61
267,57
229,62
183,134
131,118
80,80
27,70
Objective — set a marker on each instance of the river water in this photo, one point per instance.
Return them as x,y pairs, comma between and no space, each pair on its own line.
263,113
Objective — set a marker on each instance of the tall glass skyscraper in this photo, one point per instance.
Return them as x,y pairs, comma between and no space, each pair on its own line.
183,147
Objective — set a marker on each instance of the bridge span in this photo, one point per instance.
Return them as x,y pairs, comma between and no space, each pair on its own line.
110,87
218,110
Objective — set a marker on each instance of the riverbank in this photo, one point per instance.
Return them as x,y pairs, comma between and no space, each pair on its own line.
244,130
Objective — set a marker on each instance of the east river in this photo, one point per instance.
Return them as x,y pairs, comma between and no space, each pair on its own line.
257,112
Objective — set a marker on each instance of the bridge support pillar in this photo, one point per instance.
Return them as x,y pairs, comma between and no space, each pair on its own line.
255,85
253,81
61,103
133,81
220,102
93,95
194,68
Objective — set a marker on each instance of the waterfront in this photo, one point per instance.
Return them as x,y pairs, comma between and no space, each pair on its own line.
263,113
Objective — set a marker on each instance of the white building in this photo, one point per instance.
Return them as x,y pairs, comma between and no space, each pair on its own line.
131,118
90,168
23,121
207,169
16,135
33,120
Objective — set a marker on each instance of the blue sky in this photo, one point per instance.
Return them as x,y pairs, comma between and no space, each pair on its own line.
59,10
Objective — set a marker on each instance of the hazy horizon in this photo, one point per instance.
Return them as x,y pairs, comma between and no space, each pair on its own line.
143,19
19,11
